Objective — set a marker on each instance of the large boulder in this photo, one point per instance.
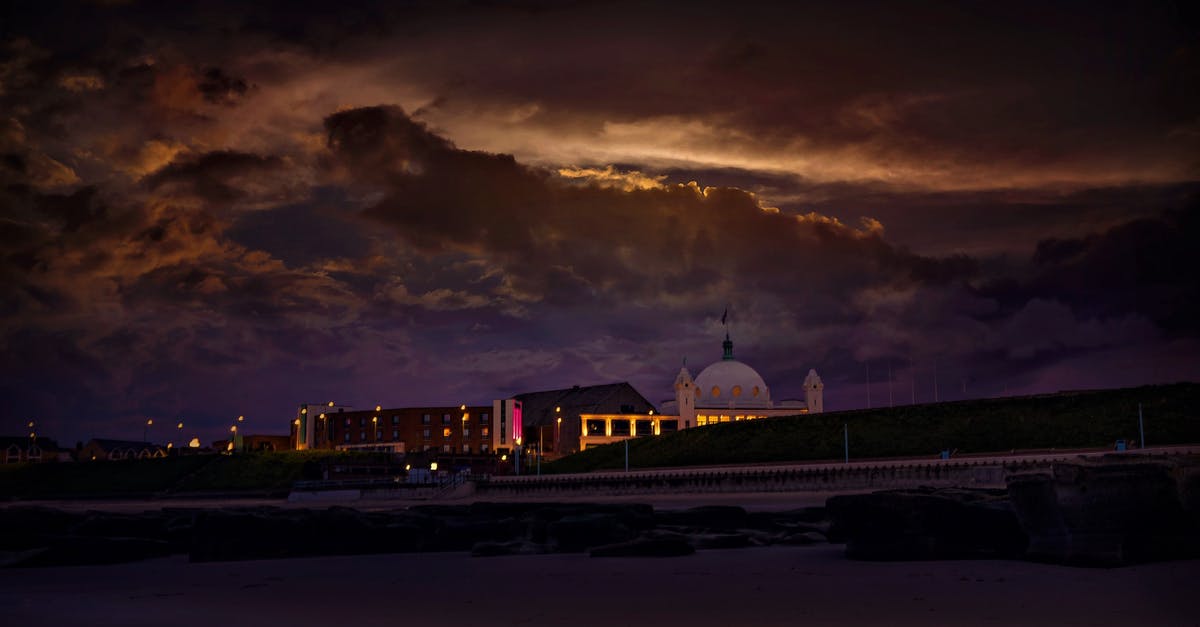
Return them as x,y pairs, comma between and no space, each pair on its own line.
581,532
705,518
1107,513
26,527
89,551
513,547
925,524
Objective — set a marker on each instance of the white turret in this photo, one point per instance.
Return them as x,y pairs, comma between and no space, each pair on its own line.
685,398
814,392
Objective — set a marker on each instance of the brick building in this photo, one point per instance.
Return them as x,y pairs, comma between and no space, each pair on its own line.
455,430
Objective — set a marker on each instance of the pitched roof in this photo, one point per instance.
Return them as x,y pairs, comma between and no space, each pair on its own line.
22,442
537,408
109,445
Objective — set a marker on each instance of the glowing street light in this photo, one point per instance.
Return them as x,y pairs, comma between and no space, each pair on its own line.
379,408
149,423
433,466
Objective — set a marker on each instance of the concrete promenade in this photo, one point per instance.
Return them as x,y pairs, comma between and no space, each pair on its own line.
964,471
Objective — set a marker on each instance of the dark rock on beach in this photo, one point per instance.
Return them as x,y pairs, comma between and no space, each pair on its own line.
645,547
926,524
1109,513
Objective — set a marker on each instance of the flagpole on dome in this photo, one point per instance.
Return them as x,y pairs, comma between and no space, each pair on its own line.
728,343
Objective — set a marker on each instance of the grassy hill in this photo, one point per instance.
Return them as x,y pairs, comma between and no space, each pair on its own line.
1064,420
264,472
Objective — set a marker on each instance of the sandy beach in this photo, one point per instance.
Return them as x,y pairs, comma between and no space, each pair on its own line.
760,586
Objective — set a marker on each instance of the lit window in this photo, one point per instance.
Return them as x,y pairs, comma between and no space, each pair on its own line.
754,392
716,391
347,422
466,433
466,448
736,391
446,432
483,448
484,432
426,434
445,448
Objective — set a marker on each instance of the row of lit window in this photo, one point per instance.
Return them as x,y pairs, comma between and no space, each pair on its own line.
426,433
712,420
622,427
425,419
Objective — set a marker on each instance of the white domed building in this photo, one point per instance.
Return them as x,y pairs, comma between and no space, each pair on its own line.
726,391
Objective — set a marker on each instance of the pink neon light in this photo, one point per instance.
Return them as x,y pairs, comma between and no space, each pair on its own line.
516,421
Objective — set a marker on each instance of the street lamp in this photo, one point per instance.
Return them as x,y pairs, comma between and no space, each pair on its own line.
374,428
149,423
233,438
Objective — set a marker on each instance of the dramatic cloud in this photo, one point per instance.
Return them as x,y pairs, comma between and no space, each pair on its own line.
229,209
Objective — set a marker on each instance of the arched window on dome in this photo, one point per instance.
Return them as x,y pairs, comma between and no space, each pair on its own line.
736,391
754,392
716,391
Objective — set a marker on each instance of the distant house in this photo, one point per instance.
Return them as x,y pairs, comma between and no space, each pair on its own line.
19,450
267,442
98,449
255,443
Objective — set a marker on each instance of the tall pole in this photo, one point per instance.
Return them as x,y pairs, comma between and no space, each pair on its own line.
912,379
846,440
626,455
868,384
891,402
935,388
1141,427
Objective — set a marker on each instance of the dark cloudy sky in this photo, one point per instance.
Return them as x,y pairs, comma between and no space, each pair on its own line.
210,209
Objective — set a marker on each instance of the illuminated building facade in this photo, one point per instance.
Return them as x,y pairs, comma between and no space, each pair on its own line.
552,417
726,391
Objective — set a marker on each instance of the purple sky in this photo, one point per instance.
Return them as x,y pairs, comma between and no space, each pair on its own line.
215,210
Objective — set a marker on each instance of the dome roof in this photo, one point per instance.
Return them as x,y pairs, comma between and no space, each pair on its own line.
731,383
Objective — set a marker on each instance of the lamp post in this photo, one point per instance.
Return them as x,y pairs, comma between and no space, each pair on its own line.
32,433
465,447
146,427
374,429
179,430
233,438
557,428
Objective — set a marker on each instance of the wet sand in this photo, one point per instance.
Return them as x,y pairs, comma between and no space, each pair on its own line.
759,586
